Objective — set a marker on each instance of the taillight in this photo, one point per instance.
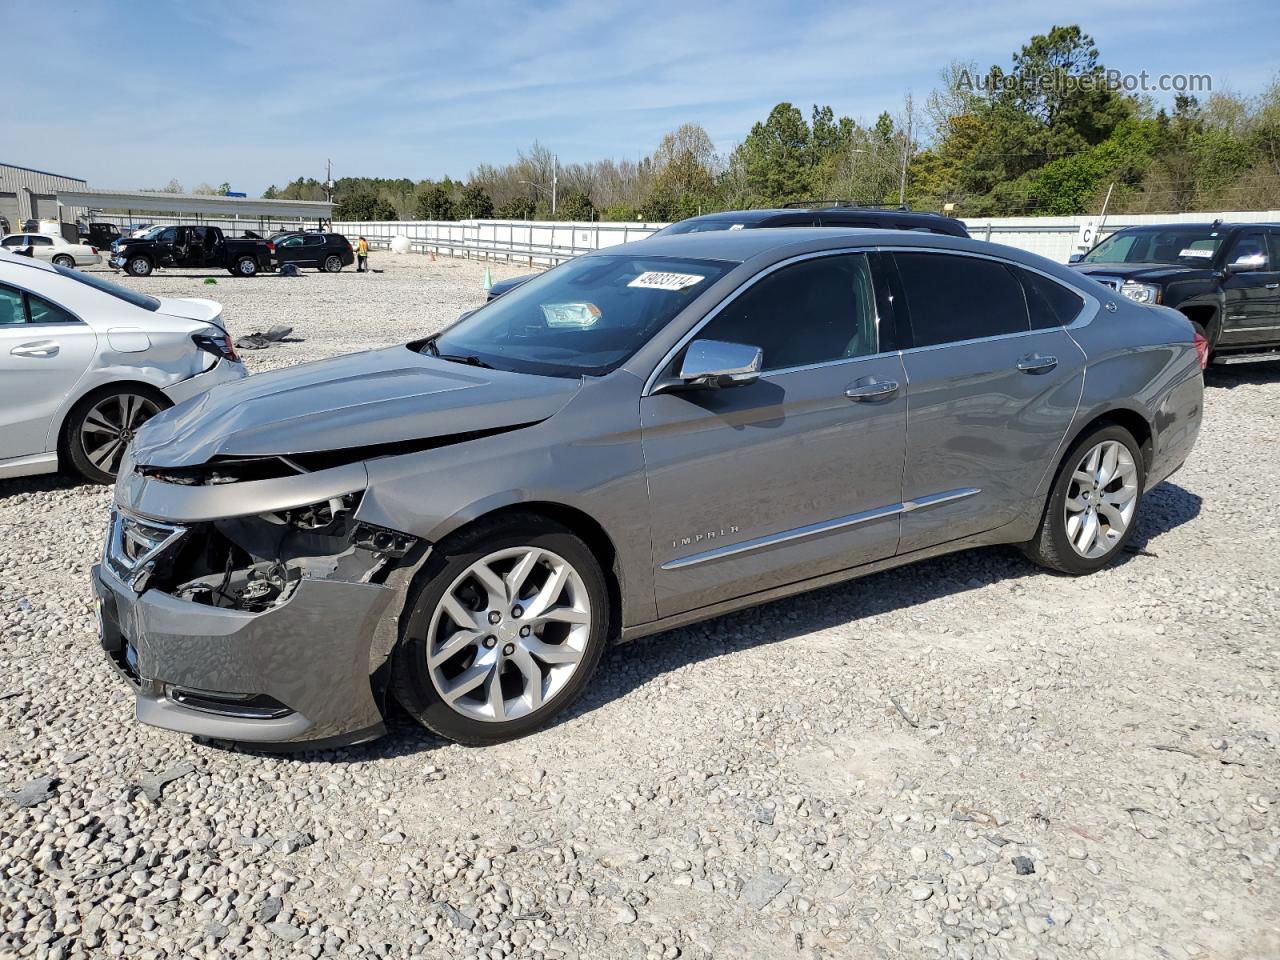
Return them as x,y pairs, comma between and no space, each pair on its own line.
93,250
1202,349
271,247
219,344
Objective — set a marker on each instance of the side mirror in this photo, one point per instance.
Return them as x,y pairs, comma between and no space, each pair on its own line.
1075,258
1244,265
714,364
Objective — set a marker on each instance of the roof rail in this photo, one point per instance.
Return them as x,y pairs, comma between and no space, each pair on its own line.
811,204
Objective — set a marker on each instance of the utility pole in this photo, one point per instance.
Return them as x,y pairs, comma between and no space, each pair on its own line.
555,176
906,155
328,180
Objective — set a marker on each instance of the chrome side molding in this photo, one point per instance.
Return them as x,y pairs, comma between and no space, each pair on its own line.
826,526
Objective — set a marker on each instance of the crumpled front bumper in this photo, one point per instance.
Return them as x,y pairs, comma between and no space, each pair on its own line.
296,675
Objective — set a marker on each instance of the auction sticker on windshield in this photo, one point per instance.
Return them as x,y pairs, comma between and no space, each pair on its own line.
655,280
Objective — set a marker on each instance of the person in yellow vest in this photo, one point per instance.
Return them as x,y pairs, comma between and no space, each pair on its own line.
362,255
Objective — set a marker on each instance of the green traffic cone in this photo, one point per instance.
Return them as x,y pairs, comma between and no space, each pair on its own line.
488,280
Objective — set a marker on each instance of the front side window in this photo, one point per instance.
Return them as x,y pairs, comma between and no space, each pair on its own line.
584,318
952,297
1250,251
292,242
14,240
814,311
167,235
11,309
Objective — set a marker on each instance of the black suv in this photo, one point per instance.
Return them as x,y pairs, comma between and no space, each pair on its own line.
809,213
1225,277
329,252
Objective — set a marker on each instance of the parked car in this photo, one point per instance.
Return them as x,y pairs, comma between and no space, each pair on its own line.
642,437
193,246
804,215
1224,277
101,235
53,249
84,363
329,252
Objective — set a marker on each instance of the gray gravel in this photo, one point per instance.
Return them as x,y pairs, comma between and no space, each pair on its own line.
967,758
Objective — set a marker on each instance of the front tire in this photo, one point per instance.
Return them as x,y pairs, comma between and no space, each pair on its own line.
103,424
504,627
1092,510
139,267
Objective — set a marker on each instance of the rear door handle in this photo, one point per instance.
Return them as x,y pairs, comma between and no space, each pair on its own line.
41,348
1035,363
869,388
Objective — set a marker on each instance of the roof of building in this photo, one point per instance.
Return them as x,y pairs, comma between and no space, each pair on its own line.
145,200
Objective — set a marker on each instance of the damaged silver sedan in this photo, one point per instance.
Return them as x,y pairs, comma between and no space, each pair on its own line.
638,439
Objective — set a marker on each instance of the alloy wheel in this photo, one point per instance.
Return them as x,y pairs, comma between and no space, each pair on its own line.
110,425
508,634
1101,499
332,264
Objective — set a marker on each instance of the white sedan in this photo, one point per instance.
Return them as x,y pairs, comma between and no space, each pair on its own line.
85,362
53,249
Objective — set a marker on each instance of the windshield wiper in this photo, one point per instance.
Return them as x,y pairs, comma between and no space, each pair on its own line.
469,360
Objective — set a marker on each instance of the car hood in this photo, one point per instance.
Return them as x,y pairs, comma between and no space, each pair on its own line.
364,400
1144,272
191,308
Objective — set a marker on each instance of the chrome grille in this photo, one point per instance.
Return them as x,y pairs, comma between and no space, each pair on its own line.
134,544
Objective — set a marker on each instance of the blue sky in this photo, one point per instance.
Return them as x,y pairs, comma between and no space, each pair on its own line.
130,94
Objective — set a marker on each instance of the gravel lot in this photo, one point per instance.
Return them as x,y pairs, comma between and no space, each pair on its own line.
966,758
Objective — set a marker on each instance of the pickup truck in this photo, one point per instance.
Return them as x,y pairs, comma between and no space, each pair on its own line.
194,246
1224,277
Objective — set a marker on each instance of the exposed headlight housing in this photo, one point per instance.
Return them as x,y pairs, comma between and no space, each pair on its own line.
1141,292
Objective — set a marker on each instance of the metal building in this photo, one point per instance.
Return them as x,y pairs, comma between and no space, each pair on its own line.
27,194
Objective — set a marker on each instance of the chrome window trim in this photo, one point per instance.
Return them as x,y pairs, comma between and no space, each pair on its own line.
30,325
1088,312
825,526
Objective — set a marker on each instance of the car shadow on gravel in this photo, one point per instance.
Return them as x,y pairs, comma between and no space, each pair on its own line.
41,483
628,666
1243,374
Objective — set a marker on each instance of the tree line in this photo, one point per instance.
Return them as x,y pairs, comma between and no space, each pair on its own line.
1047,135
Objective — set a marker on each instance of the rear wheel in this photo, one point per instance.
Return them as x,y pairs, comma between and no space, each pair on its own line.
504,629
1093,506
102,425
332,263
246,267
62,260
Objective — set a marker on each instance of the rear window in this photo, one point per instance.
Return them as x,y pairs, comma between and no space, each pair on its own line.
113,289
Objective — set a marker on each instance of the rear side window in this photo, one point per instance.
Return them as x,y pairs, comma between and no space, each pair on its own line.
952,297
1050,304
814,311
38,241
42,311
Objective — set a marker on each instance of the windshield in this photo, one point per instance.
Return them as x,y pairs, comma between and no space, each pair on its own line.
106,286
698,226
1181,245
584,318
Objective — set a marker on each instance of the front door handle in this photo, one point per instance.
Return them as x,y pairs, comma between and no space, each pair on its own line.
1272,286
41,348
1035,363
871,389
